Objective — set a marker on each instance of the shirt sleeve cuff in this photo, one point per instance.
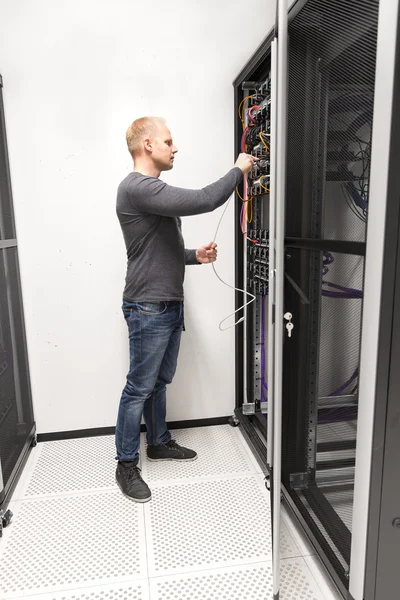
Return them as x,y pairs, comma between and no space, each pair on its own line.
190,257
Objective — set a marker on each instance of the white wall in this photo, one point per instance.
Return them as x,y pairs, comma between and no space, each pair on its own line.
75,75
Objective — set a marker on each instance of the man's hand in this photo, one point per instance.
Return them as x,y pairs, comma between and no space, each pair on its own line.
245,162
207,254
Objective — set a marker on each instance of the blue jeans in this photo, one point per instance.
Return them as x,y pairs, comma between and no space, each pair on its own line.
155,330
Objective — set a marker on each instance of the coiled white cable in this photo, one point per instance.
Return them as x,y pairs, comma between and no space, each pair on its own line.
252,297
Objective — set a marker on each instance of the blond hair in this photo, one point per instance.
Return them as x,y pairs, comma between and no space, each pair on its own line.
140,130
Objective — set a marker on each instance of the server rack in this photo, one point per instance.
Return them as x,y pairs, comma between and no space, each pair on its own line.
249,411
332,62
17,425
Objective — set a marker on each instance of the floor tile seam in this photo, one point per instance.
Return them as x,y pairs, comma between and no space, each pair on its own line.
225,567
231,476
227,564
146,531
65,494
225,476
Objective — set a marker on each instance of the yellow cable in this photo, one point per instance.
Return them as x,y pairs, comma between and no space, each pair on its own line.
251,210
240,105
242,199
261,138
241,112
263,186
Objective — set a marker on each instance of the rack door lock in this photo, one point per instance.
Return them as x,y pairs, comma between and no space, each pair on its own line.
289,325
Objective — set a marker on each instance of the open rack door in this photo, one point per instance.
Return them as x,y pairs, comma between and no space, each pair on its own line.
375,544
260,105
272,257
280,172
332,52
329,428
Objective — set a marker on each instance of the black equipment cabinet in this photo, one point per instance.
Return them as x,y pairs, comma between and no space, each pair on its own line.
250,348
17,426
332,62
331,76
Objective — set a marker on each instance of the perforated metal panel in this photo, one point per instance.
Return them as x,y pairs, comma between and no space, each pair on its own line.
82,464
249,583
120,591
331,78
7,226
71,541
16,415
97,545
219,451
341,500
332,54
229,515
326,585
340,328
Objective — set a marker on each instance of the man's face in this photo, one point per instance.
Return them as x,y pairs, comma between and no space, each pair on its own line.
163,149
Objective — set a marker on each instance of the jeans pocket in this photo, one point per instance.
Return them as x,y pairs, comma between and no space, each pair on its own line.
152,308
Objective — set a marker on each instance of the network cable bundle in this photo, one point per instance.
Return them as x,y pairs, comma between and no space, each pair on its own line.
255,115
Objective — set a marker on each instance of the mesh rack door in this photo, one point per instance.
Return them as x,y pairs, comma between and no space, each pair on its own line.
17,425
332,52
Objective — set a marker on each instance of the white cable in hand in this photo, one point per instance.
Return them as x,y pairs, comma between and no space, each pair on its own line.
252,297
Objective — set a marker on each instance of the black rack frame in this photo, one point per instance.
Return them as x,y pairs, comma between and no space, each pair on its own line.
30,434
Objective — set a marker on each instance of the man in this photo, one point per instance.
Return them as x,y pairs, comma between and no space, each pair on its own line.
149,212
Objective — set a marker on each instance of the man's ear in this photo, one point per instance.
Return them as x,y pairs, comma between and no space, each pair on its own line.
147,145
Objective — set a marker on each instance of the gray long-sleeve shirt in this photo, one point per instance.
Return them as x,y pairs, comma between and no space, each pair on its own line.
149,212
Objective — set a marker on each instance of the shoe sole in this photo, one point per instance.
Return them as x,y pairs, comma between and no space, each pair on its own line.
140,500
173,459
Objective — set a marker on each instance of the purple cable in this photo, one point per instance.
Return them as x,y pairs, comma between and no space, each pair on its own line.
338,415
342,292
328,294
327,260
343,289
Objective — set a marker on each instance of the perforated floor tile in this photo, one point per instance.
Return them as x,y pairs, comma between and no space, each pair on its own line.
120,591
304,545
210,523
219,451
69,542
322,578
258,468
249,582
73,465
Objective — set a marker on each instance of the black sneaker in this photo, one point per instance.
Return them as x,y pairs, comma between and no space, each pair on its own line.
170,451
131,483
